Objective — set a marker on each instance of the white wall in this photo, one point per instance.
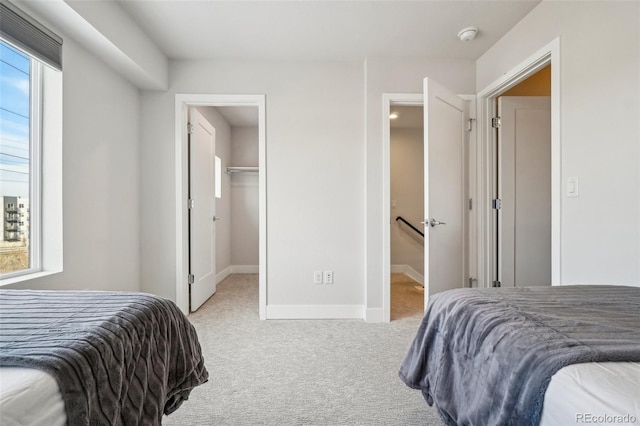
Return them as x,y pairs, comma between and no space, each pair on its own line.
324,188
244,149
324,155
315,205
101,196
244,198
407,191
223,204
600,131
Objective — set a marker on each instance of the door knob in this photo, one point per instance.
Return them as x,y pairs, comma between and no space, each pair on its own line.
434,222
215,218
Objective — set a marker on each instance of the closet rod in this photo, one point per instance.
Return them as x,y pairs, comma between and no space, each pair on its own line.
238,169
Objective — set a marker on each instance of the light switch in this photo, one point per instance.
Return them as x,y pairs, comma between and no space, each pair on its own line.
572,187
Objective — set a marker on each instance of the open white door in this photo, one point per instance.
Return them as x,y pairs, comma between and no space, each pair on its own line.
445,146
202,241
524,186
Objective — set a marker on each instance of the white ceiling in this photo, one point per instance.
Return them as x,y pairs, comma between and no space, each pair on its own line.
317,30
240,116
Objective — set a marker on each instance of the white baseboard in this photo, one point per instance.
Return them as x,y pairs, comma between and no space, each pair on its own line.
236,269
408,271
223,274
315,312
245,269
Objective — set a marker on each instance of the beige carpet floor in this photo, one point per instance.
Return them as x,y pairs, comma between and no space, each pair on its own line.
335,372
407,298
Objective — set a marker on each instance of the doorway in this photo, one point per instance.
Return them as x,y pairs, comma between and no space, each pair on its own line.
232,187
487,182
183,103
407,206
523,210
446,247
390,100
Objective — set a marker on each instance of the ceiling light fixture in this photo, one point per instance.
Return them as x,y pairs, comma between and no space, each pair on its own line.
393,115
467,34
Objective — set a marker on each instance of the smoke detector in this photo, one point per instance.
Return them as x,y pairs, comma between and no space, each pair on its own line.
467,34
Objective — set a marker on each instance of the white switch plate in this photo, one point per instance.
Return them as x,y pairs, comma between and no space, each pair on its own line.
327,277
572,187
317,277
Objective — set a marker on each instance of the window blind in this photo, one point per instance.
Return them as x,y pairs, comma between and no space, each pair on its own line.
22,30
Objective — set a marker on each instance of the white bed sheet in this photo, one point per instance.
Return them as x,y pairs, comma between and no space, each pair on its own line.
596,393
599,393
30,397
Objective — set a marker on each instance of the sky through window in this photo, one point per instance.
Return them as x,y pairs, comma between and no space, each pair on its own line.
14,121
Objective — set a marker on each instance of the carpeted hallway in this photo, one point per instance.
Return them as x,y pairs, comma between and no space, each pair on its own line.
336,372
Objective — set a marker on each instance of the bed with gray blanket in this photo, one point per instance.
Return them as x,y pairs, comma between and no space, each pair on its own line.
487,356
118,358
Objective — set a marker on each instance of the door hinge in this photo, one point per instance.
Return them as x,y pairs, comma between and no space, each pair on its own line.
190,128
496,122
470,203
496,204
497,284
190,203
470,124
191,279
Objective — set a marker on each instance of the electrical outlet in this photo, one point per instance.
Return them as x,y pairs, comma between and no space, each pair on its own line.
327,277
317,277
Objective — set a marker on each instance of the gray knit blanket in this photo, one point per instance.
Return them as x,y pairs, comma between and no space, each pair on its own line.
486,356
119,358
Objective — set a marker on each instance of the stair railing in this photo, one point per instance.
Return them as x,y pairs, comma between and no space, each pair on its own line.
400,218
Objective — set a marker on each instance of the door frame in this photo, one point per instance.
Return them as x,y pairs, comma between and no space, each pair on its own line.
486,178
182,103
417,99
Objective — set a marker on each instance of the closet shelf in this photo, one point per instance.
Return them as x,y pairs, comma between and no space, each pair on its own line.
242,169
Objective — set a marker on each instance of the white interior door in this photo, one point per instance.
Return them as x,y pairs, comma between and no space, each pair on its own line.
524,164
445,142
202,240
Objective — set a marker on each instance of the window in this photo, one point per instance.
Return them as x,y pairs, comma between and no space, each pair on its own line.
19,151
218,177
30,116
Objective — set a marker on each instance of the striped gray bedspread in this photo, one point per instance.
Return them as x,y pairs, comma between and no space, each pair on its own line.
119,358
486,356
